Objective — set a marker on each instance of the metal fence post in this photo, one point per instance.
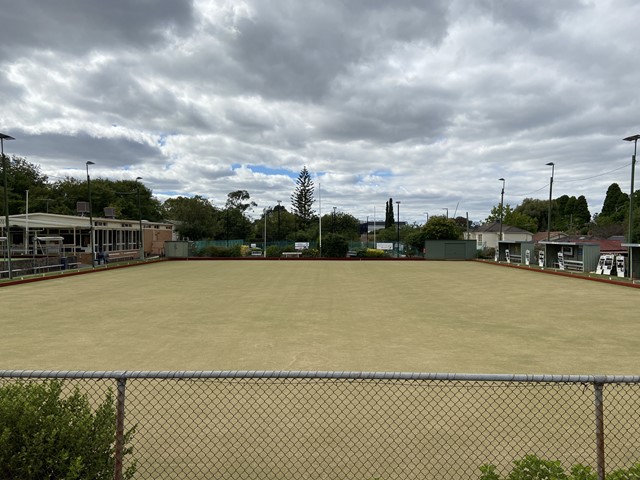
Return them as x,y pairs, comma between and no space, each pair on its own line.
599,406
122,382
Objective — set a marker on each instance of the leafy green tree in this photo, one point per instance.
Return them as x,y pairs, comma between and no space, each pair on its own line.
513,218
302,198
538,210
22,176
240,200
616,204
195,217
441,228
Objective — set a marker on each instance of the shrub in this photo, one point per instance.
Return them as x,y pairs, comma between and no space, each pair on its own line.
274,251
532,467
47,435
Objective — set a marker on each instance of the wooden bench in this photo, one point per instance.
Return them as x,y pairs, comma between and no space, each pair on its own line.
291,254
121,256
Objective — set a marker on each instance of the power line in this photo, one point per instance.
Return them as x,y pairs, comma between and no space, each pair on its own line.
569,181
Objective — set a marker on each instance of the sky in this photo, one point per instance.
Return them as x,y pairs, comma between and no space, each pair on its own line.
426,102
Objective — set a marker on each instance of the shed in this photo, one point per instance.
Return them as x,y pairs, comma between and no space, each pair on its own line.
176,249
517,251
580,257
634,259
450,249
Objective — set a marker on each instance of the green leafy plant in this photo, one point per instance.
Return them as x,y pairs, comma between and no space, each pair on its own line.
45,434
531,467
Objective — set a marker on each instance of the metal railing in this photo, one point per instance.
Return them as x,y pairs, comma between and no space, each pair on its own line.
260,424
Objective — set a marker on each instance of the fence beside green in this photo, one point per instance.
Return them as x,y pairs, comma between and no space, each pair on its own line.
253,424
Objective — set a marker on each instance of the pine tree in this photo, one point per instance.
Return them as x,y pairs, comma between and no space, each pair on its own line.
302,198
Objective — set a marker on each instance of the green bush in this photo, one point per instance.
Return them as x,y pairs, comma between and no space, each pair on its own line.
45,434
532,467
274,251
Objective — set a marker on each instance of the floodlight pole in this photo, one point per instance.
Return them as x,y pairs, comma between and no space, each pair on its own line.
4,137
445,208
140,219
552,165
93,255
633,139
264,253
398,252
501,206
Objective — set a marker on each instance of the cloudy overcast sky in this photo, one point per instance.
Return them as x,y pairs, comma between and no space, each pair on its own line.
428,102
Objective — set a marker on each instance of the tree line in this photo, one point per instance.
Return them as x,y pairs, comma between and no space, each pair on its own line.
197,218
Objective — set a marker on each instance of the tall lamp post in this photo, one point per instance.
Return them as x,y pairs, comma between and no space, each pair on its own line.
634,139
4,137
501,206
279,202
445,208
398,254
93,255
553,166
140,219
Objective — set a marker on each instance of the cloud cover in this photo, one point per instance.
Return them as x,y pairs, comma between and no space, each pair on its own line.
426,102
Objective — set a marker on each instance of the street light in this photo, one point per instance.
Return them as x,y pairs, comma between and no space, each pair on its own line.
398,202
265,212
634,139
553,166
445,208
93,259
140,219
501,206
4,137
427,214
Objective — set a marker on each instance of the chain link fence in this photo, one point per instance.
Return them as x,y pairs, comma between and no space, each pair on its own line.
346,425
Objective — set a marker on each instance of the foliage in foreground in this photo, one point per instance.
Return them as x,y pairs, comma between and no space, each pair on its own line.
45,434
532,467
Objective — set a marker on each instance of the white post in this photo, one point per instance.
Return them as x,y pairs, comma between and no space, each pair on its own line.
264,245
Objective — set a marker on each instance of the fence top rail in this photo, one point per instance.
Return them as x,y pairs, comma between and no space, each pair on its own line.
346,375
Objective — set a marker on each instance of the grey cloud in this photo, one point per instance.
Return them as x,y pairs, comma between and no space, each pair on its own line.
70,151
79,26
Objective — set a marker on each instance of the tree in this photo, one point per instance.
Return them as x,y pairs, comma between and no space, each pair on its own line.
22,176
513,218
389,219
302,198
195,217
441,228
239,200
335,246
616,204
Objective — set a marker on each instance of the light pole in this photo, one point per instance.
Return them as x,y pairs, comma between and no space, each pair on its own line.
553,166
4,137
93,259
427,214
264,246
278,239
140,219
501,206
398,254
445,208
634,139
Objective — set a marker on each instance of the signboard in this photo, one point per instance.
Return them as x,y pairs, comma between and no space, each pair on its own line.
301,245
384,246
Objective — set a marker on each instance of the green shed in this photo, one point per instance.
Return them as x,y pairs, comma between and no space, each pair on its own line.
450,249
517,251
634,259
579,257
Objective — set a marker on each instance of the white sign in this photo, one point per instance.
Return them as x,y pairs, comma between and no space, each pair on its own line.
384,246
301,245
